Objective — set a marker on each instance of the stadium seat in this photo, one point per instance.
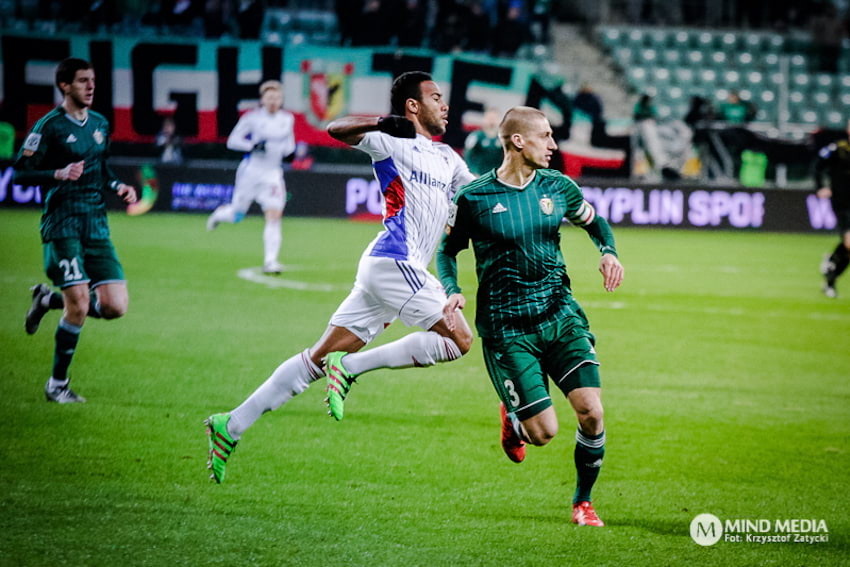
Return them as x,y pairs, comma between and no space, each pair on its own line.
835,119
661,76
695,57
744,60
684,76
623,56
770,62
671,57
719,59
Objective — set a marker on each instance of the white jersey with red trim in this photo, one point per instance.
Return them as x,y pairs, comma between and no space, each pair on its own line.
418,178
258,125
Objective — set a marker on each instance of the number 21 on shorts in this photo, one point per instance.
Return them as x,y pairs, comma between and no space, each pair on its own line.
509,385
71,269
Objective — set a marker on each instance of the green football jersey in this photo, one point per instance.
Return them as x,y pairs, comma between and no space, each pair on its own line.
482,153
515,233
71,208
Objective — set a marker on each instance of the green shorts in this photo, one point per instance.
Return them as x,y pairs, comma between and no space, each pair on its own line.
69,261
519,366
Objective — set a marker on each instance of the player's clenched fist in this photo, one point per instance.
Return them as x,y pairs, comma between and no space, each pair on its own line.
397,126
72,171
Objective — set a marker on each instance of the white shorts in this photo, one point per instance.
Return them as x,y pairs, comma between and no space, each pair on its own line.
387,289
260,184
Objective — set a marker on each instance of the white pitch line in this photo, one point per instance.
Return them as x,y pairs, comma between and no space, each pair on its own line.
256,275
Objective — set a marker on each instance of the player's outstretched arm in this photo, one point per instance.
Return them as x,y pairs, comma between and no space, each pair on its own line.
351,129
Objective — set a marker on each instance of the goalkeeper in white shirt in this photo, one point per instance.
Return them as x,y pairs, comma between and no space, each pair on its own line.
265,135
418,178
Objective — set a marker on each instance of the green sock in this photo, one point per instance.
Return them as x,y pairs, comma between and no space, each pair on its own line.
67,336
590,449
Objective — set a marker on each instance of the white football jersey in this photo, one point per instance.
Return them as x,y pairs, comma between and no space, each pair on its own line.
257,125
418,178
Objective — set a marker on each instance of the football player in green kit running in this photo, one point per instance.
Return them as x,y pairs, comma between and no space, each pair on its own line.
65,153
530,325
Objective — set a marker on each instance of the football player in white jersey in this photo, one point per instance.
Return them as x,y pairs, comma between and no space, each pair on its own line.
418,178
265,135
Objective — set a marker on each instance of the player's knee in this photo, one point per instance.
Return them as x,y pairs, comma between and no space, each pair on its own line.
76,308
590,419
541,429
113,311
542,435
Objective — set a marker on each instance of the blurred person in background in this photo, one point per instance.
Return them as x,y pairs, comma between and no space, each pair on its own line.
834,161
735,111
266,136
169,142
483,148
828,33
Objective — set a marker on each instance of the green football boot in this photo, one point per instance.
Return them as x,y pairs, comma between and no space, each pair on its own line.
222,445
339,383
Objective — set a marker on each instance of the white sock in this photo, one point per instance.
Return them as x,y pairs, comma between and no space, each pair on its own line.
271,240
422,348
54,384
225,213
288,380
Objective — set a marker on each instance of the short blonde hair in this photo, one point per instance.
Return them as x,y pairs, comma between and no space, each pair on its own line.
516,121
270,85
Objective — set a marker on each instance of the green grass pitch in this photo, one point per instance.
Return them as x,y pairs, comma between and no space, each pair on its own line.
725,375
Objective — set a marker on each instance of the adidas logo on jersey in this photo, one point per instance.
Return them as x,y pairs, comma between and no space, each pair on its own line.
71,139
499,208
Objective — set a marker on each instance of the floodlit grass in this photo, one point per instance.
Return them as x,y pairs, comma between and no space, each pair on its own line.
726,388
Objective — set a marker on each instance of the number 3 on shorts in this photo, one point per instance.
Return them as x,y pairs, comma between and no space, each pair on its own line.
72,269
512,393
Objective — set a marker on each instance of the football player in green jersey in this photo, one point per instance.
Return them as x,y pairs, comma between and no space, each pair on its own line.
834,162
530,325
65,153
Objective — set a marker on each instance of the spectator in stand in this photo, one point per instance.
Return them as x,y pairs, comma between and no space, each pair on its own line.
410,17
451,30
735,111
216,18
372,28
828,32
480,29
644,109
170,142
347,14
540,18
511,31
249,15
645,116
588,102
179,14
699,112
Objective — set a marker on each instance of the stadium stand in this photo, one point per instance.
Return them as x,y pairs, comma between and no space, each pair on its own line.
777,74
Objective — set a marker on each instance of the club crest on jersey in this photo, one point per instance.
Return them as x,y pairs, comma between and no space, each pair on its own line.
31,143
547,205
98,136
